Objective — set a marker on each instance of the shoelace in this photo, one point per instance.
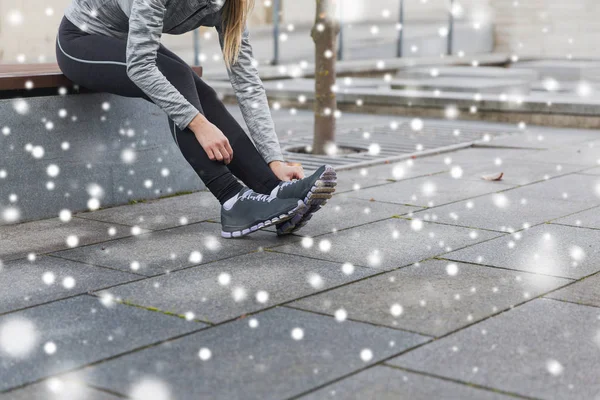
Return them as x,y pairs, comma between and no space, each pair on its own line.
286,183
252,195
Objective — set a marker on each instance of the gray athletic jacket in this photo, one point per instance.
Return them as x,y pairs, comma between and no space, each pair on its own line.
142,22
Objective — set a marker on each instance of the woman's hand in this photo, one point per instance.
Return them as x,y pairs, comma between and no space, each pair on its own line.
286,172
213,141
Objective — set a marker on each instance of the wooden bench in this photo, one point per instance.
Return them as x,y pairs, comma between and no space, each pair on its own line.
42,76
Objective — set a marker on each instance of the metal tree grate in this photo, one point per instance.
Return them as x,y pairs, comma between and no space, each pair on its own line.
393,143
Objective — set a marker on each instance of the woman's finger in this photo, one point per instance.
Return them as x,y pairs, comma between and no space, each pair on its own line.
218,154
226,155
229,149
210,154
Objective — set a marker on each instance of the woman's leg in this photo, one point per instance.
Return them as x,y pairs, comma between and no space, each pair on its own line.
247,163
98,63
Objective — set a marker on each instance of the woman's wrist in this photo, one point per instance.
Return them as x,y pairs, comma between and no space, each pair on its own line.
198,122
275,163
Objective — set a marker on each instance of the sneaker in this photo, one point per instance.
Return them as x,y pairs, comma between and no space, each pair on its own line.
314,191
248,211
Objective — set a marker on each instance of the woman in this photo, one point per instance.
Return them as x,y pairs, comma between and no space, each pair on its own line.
114,46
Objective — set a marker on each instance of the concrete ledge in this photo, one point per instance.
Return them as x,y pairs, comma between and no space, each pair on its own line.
97,140
561,110
366,67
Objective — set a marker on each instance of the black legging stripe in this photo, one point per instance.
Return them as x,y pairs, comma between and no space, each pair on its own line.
97,62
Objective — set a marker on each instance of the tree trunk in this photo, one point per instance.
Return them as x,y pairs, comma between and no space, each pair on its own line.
324,34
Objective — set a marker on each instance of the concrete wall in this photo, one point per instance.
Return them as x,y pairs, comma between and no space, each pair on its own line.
98,140
34,37
546,27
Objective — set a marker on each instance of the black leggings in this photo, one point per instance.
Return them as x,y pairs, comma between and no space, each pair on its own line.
74,47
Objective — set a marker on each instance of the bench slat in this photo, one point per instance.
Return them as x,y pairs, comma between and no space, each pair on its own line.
43,75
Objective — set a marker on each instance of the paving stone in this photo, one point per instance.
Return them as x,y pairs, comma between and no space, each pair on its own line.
387,244
543,349
57,388
343,211
360,178
582,292
432,301
516,208
264,362
586,154
476,156
475,163
161,213
282,277
555,250
171,249
504,212
386,383
573,187
22,282
49,235
84,331
429,191
543,138
591,171
587,219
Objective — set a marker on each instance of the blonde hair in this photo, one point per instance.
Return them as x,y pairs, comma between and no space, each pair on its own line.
235,13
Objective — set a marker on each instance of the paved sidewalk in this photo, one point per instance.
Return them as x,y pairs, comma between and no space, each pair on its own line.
418,280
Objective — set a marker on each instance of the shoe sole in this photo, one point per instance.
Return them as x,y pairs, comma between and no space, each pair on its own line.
316,198
300,209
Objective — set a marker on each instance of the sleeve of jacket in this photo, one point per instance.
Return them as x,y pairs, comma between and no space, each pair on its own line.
145,30
252,99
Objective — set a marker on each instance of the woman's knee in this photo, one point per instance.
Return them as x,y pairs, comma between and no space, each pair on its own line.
180,76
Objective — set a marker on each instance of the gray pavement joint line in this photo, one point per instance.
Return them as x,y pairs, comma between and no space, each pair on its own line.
120,238
574,226
449,224
108,391
503,268
91,218
573,213
92,265
357,320
106,222
66,298
388,182
470,384
509,187
572,302
517,230
395,216
154,309
299,236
